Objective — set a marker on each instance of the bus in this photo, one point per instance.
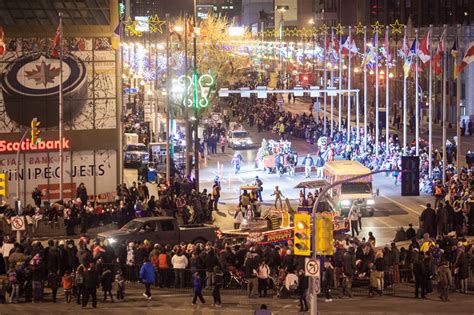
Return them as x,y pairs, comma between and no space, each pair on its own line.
341,197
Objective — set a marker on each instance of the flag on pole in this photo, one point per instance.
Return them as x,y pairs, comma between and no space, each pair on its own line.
333,50
438,55
56,42
409,59
386,47
424,48
468,58
349,47
371,54
115,40
3,46
455,49
455,54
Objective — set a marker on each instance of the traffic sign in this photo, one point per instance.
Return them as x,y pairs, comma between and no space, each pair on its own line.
316,285
18,223
312,267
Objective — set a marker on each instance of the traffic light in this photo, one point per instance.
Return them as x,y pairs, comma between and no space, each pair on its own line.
3,185
324,235
410,176
35,131
302,238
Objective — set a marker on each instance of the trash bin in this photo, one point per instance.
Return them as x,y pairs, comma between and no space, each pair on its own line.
151,175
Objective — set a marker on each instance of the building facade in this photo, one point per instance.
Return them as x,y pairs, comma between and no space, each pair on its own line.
91,107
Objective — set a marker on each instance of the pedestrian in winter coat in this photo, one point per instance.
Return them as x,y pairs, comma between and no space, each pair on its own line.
462,266
79,283
263,272
179,262
328,280
53,282
419,273
348,270
428,220
197,288
442,220
445,280
218,280
106,281
91,283
147,277
303,285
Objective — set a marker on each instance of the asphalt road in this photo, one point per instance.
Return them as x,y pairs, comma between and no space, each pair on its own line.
392,210
178,303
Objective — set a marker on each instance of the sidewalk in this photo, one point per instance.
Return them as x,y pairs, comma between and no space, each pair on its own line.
176,303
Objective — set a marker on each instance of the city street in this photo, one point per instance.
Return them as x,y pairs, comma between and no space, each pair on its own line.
392,210
179,303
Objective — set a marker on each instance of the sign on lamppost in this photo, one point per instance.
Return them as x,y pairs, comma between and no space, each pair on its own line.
196,87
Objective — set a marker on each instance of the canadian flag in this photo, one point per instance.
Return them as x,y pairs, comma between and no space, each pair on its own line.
468,58
56,42
438,55
3,47
424,48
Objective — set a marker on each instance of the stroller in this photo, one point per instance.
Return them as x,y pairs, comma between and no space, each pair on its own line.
288,287
236,279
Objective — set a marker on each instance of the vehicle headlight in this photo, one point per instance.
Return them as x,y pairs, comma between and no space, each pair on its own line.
249,141
237,142
370,202
346,203
111,240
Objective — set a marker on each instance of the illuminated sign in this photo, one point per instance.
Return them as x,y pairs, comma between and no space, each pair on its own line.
27,145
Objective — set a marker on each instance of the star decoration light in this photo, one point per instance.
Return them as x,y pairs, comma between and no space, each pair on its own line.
155,24
396,27
128,22
323,29
132,29
339,29
377,28
286,32
294,32
359,28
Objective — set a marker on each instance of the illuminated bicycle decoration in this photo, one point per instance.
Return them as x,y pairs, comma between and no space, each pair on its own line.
196,89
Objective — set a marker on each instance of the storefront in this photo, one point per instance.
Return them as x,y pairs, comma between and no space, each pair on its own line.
29,88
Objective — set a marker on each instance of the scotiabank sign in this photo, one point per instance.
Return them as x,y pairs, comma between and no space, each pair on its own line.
27,145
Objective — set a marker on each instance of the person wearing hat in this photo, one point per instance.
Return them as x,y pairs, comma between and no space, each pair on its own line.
445,280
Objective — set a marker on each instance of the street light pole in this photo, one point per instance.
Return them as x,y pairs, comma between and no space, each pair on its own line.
458,111
314,296
168,110
188,159
195,103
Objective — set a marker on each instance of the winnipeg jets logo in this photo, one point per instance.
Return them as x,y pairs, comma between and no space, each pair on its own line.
43,74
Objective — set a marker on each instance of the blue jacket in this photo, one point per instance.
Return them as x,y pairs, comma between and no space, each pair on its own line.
147,273
197,284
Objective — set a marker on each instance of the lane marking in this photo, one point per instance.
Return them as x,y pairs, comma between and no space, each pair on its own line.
401,205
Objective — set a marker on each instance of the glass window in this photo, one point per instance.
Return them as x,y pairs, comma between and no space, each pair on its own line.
167,226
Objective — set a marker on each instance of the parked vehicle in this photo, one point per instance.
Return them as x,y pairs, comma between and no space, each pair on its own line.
135,155
164,230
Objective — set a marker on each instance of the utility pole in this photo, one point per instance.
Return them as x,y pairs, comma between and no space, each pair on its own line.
195,103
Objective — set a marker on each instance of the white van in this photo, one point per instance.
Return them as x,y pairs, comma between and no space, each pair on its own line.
343,196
